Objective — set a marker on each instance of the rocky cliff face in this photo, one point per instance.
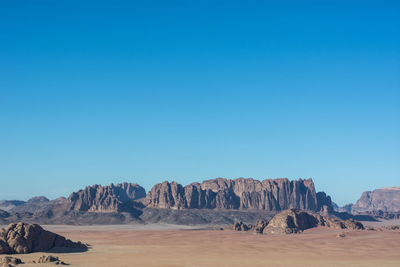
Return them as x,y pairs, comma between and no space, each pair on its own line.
109,198
270,195
384,199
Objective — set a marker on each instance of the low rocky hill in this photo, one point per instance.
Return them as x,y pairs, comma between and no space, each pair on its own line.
296,221
20,238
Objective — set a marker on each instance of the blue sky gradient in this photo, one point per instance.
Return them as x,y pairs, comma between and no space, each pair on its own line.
146,91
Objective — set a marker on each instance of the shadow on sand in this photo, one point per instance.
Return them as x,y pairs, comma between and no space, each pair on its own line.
68,250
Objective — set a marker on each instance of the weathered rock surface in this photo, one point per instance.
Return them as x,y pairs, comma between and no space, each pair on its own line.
241,193
259,226
20,238
384,199
290,221
49,259
9,261
240,226
295,221
109,198
333,222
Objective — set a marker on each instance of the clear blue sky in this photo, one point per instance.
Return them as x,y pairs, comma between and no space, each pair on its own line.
145,91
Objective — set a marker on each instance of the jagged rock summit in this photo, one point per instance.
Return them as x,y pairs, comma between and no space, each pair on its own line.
241,193
170,202
20,238
109,198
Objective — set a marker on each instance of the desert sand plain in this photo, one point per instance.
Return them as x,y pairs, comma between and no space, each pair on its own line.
169,245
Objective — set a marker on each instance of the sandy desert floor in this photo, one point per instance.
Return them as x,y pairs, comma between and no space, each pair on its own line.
156,245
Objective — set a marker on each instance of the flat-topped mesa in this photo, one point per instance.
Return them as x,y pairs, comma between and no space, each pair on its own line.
109,198
385,199
241,193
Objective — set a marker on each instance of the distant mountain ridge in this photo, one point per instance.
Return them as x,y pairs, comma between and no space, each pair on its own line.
10,204
385,199
382,203
173,203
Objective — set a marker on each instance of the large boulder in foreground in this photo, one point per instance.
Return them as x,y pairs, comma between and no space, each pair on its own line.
295,221
21,237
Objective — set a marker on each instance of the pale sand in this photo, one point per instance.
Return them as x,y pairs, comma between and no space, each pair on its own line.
169,246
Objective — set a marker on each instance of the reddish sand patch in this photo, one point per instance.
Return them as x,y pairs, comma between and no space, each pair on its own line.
113,246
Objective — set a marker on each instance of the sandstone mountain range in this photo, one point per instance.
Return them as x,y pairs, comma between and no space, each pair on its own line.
215,201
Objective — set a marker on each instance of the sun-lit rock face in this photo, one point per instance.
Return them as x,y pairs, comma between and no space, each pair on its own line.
293,221
109,198
384,199
20,238
241,193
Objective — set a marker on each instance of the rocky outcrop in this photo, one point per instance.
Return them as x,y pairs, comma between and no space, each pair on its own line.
384,199
295,221
334,222
109,198
49,259
240,226
269,194
9,261
20,238
259,226
290,221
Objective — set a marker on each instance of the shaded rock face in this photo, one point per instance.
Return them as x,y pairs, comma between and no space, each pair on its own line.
385,199
259,226
295,221
290,221
333,222
4,214
240,226
109,198
270,195
49,259
346,208
9,261
7,205
379,214
20,238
